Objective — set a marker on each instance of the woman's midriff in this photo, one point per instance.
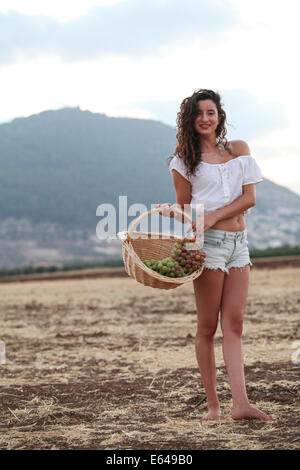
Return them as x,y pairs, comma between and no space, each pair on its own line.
233,224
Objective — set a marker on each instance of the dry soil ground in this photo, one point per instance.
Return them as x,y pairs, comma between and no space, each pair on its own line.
110,364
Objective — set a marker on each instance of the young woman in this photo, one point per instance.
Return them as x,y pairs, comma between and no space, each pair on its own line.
208,169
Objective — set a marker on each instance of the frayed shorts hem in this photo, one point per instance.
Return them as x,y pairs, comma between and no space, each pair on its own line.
226,269
225,250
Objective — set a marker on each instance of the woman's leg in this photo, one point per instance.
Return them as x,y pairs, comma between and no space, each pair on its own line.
208,292
233,305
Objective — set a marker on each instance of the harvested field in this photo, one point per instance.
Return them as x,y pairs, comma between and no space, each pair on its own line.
110,364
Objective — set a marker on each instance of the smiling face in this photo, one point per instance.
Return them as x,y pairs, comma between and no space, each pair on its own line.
207,119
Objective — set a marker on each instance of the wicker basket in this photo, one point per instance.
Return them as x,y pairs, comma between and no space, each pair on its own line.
140,246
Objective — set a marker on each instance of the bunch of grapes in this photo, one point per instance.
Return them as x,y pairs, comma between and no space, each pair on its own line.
166,267
182,262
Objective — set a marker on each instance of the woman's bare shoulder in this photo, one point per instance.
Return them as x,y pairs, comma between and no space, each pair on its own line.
239,147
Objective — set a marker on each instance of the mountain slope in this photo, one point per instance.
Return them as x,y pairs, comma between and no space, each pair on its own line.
57,167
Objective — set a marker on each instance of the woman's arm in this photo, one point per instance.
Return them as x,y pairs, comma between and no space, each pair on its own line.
183,190
239,205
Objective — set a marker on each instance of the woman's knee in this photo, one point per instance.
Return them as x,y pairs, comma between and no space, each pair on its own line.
232,326
205,332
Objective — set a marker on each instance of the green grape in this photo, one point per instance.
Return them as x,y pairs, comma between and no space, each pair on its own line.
182,261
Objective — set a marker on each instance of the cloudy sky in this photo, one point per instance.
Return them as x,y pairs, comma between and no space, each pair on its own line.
140,58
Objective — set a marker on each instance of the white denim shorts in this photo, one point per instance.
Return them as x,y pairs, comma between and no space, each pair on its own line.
225,250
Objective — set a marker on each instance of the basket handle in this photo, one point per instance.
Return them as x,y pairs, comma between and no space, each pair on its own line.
156,209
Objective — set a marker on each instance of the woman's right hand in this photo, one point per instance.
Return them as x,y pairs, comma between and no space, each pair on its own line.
173,211
166,209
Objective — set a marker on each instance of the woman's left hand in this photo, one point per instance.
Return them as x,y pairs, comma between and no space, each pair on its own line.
203,223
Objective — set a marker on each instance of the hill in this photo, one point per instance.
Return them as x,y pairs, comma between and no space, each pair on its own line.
58,166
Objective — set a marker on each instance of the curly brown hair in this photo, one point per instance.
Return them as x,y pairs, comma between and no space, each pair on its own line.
188,140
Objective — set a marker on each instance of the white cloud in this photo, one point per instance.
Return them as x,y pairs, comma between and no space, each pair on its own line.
63,10
131,28
281,169
257,56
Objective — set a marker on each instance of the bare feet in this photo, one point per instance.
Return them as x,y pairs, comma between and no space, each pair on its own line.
248,411
213,414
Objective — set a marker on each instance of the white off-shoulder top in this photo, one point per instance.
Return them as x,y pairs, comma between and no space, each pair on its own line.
218,184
